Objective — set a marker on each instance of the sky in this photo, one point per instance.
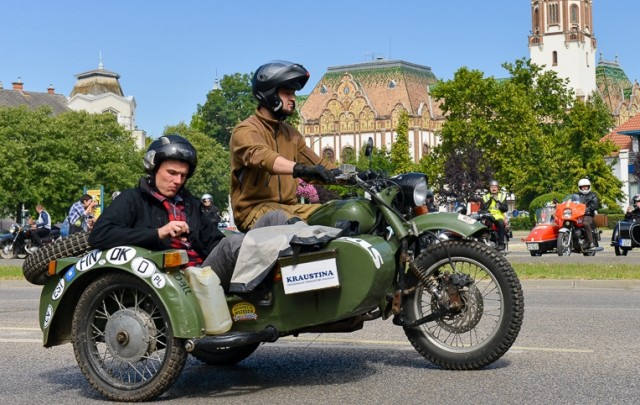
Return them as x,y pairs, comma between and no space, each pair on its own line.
169,53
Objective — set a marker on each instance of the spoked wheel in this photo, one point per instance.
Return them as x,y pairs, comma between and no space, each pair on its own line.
481,299
123,340
565,244
226,356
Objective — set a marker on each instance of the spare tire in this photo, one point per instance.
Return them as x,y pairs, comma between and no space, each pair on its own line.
36,265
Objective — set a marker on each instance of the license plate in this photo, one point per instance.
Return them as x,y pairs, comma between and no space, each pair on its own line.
625,242
533,246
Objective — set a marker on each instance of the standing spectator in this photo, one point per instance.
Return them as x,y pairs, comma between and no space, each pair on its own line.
42,226
80,216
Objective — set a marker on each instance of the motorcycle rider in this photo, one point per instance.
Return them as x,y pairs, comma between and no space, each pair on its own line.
267,154
42,226
430,202
495,201
160,213
590,199
633,210
210,210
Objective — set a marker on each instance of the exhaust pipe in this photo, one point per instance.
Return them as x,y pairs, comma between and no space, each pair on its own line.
232,339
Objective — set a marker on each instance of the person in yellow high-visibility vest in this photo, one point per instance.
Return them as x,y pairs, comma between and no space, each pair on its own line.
495,201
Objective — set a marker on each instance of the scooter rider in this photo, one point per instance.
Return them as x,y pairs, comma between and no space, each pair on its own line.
590,199
495,201
267,153
161,213
210,210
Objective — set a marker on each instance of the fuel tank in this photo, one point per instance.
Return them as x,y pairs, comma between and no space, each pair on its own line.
351,209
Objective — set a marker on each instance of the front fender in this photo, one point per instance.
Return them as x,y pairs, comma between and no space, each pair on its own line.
460,224
564,230
61,293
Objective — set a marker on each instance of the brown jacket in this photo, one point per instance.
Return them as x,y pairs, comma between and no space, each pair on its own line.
255,144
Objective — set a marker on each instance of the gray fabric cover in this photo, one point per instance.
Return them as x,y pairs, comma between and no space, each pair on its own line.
262,246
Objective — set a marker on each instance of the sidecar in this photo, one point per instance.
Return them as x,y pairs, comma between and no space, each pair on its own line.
543,238
625,236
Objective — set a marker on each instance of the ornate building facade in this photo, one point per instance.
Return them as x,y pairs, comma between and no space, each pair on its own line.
351,103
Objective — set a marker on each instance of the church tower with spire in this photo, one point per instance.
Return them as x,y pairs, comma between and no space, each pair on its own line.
562,40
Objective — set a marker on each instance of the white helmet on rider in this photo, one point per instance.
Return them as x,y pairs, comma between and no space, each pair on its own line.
586,184
206,197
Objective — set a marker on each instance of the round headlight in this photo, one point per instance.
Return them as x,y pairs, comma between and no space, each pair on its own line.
414,187
420,192
566,213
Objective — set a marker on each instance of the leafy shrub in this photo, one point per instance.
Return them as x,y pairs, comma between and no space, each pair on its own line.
522,223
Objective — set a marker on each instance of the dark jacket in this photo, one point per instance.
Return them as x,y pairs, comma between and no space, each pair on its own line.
591,201
633,215
135,216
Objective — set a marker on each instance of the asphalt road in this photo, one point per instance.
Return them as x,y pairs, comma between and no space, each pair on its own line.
578,344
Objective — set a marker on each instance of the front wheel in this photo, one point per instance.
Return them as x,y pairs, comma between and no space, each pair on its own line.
7,250
123,339
565,244
476,299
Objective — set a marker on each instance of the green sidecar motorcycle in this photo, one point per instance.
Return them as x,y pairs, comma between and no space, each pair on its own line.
133,318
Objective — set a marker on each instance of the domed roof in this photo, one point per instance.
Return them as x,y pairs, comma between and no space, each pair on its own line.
96,82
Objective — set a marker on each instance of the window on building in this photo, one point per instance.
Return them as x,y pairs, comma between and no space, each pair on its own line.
554,58
392,84
323,89
574,14
329,154
554,18
348,155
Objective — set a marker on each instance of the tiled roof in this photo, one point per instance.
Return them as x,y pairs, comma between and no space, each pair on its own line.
613,84
384,84
624,141
16,98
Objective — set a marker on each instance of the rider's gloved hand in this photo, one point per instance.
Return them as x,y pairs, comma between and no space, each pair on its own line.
317,172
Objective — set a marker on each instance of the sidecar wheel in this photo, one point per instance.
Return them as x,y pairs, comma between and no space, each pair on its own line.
227,356
35,267
123,339
491,313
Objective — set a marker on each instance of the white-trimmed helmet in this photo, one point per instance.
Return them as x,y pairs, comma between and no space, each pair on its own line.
206,197
582,183
635,199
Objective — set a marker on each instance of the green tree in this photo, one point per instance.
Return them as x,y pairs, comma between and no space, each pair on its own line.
50,160
527,128
400,156
225,108
212,175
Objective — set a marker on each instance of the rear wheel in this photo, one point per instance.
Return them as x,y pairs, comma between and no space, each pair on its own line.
226,356
484,299
123,339
565,244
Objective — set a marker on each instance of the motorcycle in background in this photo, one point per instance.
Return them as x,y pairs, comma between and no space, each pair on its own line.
571,233
490,238
18,244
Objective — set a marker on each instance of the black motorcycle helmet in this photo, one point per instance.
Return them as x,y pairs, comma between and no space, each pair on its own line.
170,147
274,75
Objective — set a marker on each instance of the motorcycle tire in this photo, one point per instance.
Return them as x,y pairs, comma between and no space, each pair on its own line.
6,252
226,356
35,266
123,339
491,307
